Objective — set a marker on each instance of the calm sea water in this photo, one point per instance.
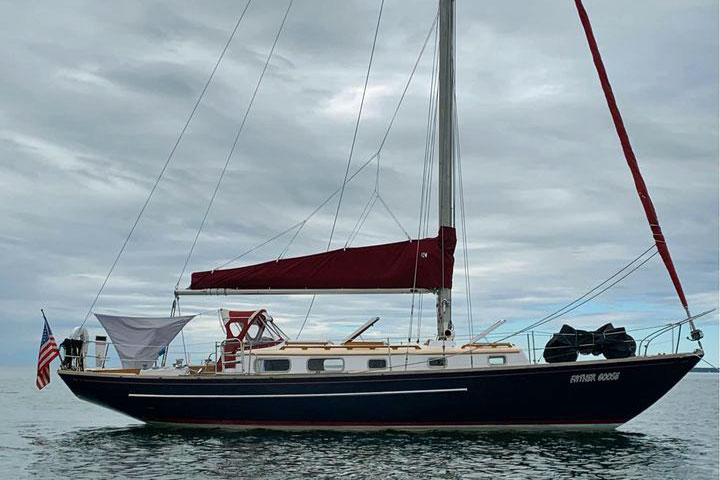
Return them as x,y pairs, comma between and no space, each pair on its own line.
51,434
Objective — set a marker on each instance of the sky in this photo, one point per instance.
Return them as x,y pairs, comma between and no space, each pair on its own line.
94,94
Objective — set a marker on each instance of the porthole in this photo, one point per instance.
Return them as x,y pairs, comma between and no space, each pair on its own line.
274,364
497,360
377,363
437,362
326,365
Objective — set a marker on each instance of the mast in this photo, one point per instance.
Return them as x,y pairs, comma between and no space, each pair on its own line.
446,95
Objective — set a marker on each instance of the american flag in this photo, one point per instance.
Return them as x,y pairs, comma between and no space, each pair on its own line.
48,352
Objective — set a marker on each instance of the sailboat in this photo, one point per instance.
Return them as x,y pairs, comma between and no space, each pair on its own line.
260,378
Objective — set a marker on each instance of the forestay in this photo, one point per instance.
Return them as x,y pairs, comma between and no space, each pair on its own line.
140,340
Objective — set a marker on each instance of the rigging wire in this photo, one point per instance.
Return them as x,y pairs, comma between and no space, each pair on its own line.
235,142
301,223
352,150
433,28
427,174
713,366
168,159
374,197
428,201
574,304
461,192
361,219
363,166
407,84
176,304
473,349
397,222
248,252
297,232
469,351
357,123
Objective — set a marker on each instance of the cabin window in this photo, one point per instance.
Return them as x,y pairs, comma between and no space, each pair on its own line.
377,363
274,365
438,362
325,364
497,360
235,329
253,332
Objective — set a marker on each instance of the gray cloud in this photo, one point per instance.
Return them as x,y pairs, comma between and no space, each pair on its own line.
94,94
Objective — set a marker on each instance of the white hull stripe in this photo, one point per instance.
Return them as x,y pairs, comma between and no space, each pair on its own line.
300,395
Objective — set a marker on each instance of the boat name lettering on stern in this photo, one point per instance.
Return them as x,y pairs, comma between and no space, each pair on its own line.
595,377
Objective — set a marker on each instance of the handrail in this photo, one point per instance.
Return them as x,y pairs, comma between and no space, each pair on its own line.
670,327
244,354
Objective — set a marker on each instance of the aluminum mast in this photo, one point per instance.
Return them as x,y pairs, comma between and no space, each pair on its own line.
446,91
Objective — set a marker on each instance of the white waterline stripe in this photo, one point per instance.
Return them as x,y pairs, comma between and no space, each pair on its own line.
296,395
408,428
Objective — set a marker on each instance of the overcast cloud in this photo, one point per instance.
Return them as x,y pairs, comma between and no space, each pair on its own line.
93,95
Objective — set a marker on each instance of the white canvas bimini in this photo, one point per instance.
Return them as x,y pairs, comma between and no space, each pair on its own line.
140,340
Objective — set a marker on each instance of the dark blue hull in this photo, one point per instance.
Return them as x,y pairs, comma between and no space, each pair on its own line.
594,394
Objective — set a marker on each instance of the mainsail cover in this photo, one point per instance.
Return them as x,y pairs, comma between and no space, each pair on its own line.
415,264
140,340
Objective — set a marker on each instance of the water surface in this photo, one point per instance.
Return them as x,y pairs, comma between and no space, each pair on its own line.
52,434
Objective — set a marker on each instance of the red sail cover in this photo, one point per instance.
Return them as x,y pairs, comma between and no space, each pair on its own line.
630,155
390,265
